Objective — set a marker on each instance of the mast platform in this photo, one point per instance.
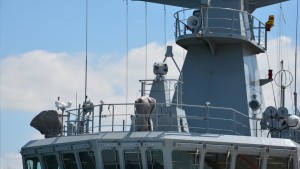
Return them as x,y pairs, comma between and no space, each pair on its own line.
215,26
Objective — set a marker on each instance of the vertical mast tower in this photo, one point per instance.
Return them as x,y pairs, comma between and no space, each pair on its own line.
222,40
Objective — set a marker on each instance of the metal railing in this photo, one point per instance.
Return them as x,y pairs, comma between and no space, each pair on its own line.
173,87
112,117
214,21
293,134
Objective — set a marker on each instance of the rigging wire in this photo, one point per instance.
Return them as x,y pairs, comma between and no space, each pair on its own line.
273,90
86,48
272,82
286,54
290,86
280,56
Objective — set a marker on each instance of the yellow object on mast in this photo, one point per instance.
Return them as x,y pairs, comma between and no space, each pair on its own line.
270,23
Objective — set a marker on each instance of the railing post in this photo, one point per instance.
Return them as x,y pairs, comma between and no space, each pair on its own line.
232,25
113,117
242,125
143,88
78,121
123,125
87,125
93,121
157,118
178,26
266,38
68,123
234,121
207,117
100,115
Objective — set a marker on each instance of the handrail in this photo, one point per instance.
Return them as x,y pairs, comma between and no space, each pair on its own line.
228,22
114,118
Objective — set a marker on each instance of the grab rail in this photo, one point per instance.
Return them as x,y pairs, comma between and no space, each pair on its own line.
112,117
215,21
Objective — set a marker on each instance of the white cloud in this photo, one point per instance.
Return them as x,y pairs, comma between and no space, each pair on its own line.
11,161
275,55
38,77
32,81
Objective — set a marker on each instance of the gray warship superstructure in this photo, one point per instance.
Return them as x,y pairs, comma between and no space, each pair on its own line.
211,117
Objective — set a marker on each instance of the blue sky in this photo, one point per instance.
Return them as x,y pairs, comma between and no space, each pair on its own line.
42,45
60,26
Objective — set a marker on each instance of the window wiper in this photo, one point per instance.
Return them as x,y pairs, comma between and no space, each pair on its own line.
227,158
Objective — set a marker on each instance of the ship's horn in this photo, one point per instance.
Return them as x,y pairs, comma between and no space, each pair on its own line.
192,22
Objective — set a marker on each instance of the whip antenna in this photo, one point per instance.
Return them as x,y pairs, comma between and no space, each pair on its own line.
295,92
146,38
86,46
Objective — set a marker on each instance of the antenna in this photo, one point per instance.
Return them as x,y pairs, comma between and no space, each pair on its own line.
86,46
127,57
283,79
295,92
146,38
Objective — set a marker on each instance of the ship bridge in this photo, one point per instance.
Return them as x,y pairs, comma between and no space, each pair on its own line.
100,139
160,150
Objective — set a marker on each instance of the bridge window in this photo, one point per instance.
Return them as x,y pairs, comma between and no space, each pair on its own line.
244,161
33,163
132,159
185,159
280,163
69,160
50,162
110,159
155,159
87,160
216,161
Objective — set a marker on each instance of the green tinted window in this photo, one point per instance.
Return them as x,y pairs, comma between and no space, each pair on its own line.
280,163
50,162
110,159
33,163
155,159
87,160
69,161
216,161
132,159
244,161
185,159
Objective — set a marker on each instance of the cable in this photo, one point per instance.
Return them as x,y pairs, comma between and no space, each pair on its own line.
286,54
287,58
272,81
